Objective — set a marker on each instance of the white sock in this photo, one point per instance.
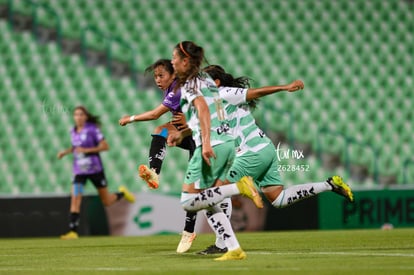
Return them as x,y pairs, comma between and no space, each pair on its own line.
208,197
226,208
222,227
299,192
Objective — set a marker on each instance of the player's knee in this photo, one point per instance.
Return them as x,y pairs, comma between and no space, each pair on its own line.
274,194
77,189
187,201
278,201
106,202
160,131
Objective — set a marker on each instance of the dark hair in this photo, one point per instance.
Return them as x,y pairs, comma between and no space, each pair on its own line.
89,117
166,63
196,56
228,80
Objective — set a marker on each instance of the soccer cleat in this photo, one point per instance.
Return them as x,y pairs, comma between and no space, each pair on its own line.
212,249
187,239
71,235
127,194
149,176
340,187
247,189
236,254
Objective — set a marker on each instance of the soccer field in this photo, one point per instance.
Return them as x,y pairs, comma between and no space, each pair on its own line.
299,252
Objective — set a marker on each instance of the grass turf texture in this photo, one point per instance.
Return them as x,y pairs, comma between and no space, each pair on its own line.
301,252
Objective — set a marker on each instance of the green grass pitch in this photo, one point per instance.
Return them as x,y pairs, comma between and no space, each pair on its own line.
293,252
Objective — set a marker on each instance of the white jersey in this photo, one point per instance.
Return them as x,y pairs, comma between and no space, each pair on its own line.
249,137
204,86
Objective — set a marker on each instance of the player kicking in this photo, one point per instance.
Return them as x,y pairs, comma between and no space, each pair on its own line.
214,147
256,154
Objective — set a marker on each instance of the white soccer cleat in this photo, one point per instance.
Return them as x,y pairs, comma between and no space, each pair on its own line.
187,239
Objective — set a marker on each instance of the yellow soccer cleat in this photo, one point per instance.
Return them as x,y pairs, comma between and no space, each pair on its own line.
71,235
236,254
247,189
187,239
149,176
340,187
127,194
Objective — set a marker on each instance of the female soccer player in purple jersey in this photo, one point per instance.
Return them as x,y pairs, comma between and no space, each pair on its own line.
165,78
87,142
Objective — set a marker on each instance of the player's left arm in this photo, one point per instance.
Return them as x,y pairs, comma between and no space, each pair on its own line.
254,93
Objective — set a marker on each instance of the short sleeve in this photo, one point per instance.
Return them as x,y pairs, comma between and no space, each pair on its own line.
97,134
191,90
234,96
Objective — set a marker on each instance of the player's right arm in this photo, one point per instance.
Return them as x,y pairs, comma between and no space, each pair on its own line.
255,93
205,126
150,115
65,152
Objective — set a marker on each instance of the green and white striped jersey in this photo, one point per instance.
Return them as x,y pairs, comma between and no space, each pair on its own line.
249,137
204,86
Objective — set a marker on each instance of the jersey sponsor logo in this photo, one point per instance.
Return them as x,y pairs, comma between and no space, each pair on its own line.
262,134
224,128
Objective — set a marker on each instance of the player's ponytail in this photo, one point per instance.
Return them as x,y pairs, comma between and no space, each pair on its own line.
228,80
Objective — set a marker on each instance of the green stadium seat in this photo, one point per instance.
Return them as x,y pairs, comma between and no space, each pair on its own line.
347,85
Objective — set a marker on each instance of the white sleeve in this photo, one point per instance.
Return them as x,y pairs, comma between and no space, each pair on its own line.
234,96
189,92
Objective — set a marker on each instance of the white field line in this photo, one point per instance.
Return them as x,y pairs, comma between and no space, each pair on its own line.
371,254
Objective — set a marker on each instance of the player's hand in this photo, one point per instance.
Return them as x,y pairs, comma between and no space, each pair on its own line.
295,85
179,120
174,139
208,153
124,120
61,154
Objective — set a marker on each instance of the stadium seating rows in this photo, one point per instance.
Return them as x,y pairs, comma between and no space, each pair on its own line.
355,60
41,88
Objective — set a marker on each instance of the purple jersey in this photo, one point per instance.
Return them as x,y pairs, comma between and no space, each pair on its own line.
172,98
90,136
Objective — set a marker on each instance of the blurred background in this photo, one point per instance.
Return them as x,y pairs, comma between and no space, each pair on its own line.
354,117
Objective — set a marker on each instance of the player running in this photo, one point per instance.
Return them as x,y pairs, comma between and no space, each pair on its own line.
87,142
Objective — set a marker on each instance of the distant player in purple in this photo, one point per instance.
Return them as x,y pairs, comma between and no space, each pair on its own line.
165,79
87,142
